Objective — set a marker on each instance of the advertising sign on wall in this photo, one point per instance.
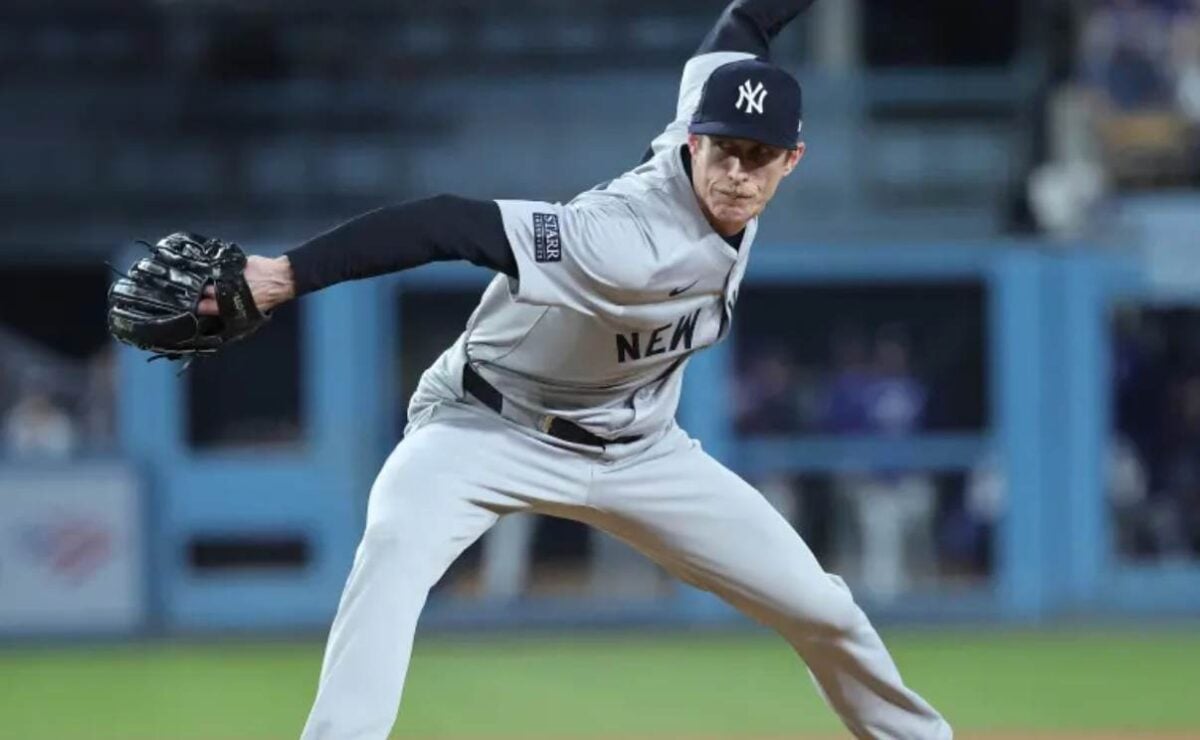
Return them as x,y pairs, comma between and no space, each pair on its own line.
71,549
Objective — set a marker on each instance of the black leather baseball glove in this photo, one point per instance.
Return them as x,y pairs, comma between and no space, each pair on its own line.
155,306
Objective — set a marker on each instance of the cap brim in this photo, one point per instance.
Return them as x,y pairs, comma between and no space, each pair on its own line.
735,131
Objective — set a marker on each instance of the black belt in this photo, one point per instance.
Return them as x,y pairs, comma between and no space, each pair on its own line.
567,431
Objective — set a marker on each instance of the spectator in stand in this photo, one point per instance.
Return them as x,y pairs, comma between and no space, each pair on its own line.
844,411
1185,59
896,399
1133,62
766,397
1128,118
1174,510
38,428
893,509
1126,53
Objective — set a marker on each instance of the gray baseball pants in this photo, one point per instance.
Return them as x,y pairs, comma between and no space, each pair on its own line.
463,467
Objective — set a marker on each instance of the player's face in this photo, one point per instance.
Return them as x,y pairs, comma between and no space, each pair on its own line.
736,178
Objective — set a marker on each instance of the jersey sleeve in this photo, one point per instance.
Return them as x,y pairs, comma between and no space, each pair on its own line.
585,258
695,74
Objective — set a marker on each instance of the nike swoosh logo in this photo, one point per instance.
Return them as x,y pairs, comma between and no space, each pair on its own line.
676,291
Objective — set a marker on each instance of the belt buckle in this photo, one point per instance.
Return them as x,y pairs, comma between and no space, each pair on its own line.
545,423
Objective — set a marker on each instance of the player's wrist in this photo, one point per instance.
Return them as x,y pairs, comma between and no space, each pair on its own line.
272,281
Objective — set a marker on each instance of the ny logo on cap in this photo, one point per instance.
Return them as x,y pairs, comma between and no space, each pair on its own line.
751,96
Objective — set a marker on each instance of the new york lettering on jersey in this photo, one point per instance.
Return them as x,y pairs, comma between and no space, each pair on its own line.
629,346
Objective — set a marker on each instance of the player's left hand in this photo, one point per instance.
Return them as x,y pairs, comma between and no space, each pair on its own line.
156,305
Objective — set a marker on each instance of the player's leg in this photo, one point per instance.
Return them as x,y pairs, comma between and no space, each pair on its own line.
441,488
712,529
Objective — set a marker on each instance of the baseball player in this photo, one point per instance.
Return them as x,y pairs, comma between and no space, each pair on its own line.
559,398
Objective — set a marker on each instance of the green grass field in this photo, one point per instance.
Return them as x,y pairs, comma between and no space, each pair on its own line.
607,686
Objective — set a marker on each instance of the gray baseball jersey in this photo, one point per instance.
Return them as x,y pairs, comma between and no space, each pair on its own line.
617,288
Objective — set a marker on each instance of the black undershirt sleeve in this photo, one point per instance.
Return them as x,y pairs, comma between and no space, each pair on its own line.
749,26
399,237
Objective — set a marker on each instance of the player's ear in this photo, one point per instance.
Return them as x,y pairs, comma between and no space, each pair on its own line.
693,143
793,158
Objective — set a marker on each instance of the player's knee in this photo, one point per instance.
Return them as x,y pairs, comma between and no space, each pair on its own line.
387,548
829,612
382,542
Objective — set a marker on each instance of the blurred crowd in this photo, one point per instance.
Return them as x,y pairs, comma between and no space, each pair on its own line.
1127,115
892,529
868,386
902,529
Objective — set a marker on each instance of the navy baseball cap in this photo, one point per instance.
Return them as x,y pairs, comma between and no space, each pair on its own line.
750,99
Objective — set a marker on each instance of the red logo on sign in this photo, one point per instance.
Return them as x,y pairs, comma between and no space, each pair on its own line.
73,549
